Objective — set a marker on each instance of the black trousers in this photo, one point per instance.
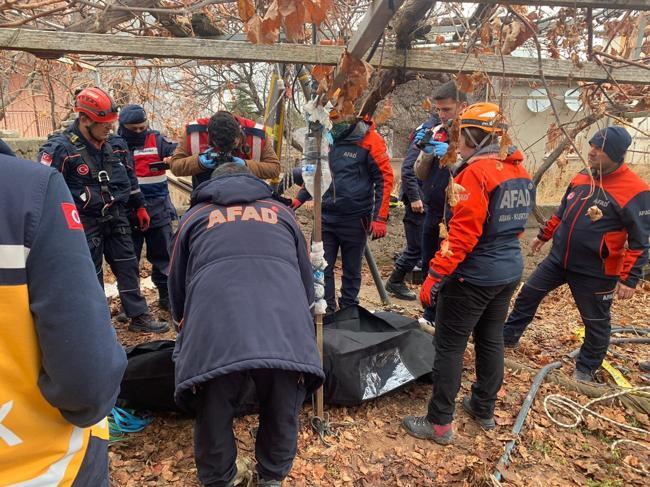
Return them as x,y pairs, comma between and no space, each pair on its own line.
411,255
350,236
280,394
430,245
593,298
112,240
465,309
158,242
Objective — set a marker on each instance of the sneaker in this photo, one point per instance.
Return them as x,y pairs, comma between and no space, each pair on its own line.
485,423
400,291
146,323
421,427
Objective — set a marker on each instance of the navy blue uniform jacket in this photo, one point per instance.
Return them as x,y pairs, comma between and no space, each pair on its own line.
60,153
241,286
615,247
412,188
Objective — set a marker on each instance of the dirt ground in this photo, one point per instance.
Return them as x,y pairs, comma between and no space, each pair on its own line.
370,448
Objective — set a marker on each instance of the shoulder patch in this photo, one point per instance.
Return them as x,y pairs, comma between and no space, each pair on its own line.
46,158
72,217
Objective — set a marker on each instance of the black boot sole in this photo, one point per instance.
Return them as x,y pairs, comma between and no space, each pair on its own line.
398,294
148,330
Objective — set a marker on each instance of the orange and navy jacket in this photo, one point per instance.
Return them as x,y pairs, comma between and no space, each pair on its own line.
61,364
493,206
362,177
598,248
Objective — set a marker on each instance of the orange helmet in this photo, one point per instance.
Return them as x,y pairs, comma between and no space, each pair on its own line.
96,104
486,116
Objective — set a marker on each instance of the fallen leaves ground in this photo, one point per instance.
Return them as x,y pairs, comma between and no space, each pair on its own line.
371,449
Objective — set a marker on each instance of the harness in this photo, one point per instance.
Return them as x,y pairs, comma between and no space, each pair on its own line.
100,174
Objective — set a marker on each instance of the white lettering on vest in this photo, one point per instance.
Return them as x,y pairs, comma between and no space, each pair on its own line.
8,436
515,197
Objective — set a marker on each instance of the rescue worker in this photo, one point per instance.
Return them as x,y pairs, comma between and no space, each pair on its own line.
149,149
356,203
229,290
449,101
600,245
253,147
61,364
103,185
413,197
475,272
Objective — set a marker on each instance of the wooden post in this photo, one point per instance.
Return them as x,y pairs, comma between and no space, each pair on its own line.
318,237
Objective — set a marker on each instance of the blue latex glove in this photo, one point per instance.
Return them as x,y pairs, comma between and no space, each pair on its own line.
239,161
436,148
419,135
206,161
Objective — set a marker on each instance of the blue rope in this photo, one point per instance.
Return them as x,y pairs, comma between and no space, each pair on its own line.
122,421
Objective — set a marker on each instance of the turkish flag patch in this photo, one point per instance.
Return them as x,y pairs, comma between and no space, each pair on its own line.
46,159
72,217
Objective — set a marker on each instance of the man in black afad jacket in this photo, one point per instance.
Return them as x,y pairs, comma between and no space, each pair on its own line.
601,234
241,288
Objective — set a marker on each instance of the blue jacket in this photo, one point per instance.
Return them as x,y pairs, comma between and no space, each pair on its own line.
61,365
241,286
159,206
362,177
412,188
494,199
61,153
614,247
434,186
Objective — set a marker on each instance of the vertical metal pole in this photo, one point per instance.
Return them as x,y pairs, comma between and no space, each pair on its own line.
318,237
370,259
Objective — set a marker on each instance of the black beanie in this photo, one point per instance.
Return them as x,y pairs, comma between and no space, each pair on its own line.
614,141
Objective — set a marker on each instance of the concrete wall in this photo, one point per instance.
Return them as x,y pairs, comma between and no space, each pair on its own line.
25,148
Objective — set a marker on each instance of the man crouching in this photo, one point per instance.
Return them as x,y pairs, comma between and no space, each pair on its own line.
241,288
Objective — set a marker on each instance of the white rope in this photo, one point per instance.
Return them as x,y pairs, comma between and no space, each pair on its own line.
632,442
577,412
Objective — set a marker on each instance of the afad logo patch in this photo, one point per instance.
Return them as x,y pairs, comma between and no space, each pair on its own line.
83,169
72,217
46,159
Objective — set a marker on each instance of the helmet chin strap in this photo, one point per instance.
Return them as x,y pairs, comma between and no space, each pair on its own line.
89,129
477,145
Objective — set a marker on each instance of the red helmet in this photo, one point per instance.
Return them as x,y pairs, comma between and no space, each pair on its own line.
96,104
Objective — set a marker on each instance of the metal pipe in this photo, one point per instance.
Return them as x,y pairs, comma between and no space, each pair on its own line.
385,300
521,417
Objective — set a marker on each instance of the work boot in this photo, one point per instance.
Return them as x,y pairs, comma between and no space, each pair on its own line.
121,316
395,285
421,427
485,423
644,366
146,323
511,345
586,377
163,298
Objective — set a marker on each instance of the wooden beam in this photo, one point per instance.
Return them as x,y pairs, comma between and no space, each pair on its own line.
372,25
425,60
608,4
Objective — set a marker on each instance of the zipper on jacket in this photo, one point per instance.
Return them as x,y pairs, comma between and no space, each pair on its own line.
573,224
